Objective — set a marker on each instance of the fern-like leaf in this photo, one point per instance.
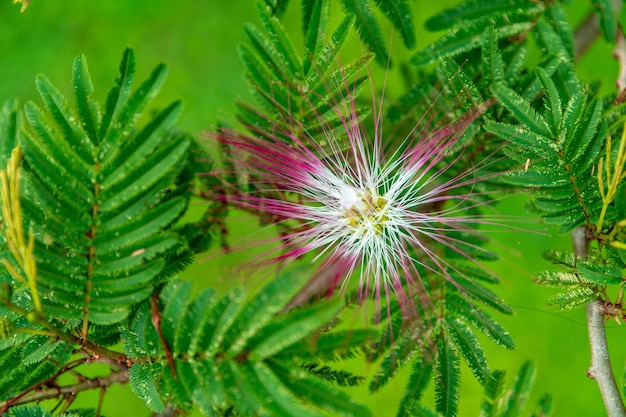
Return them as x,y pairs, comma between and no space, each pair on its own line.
315,16
38,357
498,401
607,15
241,342
448,378
461,308
467,21
469,347
469,11
518,396
10,125
113,179
492,393
368,27
574,297
37,411
294,93
399,13
560,145
492,62
421,375
522,110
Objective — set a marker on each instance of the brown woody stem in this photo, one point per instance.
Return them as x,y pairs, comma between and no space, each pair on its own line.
56,392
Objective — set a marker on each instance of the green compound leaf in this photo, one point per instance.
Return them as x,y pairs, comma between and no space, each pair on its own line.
601,274
492,393
573,298
492,62
552,101
277,7
315,17
608,18
544,407
467,344
338,377
119,182
522,110
517,397
476,10
420,378
88,110
420,410
583,279
399,13
463,309
559,279
448,379
37,355
297,95
227,352
467,37
498,401
10,125
332,346
559,21
291,328
37,411
368,27
559,146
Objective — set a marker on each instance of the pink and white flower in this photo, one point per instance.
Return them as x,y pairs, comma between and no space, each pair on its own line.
359,209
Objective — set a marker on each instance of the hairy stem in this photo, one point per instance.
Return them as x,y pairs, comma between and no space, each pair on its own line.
600,368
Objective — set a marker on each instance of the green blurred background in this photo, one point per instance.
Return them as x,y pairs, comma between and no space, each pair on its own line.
198,40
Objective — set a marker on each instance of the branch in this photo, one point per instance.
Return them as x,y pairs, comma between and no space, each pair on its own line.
620,54
586,34
56,392
600,368
589,30
168,412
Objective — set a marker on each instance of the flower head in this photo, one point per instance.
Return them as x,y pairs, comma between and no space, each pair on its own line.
359,206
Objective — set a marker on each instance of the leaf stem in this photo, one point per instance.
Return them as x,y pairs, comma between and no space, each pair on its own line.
600,368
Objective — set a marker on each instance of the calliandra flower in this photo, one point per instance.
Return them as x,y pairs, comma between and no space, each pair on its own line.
358,208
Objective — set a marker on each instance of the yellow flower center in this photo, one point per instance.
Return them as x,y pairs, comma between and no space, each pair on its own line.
366,212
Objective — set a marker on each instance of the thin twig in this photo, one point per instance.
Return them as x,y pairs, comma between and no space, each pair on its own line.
585,35
68,367
620,54
589,31
103,390
600,368
168,412
56,392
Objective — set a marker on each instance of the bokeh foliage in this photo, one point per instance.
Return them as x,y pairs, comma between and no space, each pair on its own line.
474,64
